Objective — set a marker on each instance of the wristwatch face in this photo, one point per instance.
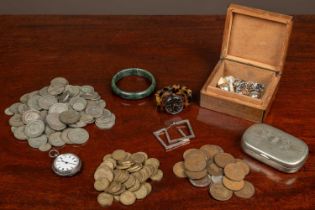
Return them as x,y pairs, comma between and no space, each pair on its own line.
66,164
174,104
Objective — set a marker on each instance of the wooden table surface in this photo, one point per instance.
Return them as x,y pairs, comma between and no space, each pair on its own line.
176,49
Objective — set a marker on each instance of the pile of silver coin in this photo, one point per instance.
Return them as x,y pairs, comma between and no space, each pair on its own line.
248,88
56,114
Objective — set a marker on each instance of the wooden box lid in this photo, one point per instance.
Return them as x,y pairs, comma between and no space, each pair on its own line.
256,37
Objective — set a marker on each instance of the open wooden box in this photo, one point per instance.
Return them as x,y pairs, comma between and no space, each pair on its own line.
254,48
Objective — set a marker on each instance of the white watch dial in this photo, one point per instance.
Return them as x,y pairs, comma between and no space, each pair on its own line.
67,164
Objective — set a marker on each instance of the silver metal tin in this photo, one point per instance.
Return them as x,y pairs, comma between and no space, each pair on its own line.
274,147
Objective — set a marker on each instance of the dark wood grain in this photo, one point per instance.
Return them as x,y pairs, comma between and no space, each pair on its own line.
177,49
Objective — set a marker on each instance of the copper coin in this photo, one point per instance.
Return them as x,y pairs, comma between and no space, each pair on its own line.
211,150
195,161
234,172
179,170
196,174
188,151
220,193
247,192
222,159
243,165
214,170
233,185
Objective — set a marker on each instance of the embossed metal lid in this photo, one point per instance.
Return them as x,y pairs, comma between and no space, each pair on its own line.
274,147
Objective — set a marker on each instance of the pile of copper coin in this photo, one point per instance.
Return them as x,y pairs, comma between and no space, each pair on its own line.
211,167
248,88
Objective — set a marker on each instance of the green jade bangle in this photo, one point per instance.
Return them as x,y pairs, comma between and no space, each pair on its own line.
133,72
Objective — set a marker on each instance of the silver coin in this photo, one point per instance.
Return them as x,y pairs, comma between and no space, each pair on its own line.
59,81
94,110
79,124
58,108
36,142
87,89
32,102
64,136
23,108
217,179
69,117
34,128
86,118
204,182
8,112
78,135
49,130
105,122
14,107
102,103
73,90
43,91
78,103
19,133
16,120
56,140
45,102
30,115
45,147
54,122
24,98
56,89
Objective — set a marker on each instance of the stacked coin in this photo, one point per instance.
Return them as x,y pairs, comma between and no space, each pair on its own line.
211,166
56,114
124,177
248,88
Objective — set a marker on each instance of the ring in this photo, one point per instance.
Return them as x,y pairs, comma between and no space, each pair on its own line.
133,72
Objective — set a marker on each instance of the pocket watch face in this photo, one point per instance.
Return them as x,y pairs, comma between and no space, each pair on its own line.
174,104
67,164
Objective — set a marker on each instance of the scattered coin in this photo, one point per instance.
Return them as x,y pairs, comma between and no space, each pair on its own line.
179,170
247,191
222,159
233,185
211,166
234,172
125,176
220,193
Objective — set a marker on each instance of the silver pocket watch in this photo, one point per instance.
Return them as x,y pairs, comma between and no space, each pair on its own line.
67,164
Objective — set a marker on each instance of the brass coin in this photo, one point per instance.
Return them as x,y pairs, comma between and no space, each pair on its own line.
211,150
101,184
127,198
179,170
234,172
219,192
196,174
158,176
247,192
119,154
105,199
222,159
195,161
233,185
243,165
214,170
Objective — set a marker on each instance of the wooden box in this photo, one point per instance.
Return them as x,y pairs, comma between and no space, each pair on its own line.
254,48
